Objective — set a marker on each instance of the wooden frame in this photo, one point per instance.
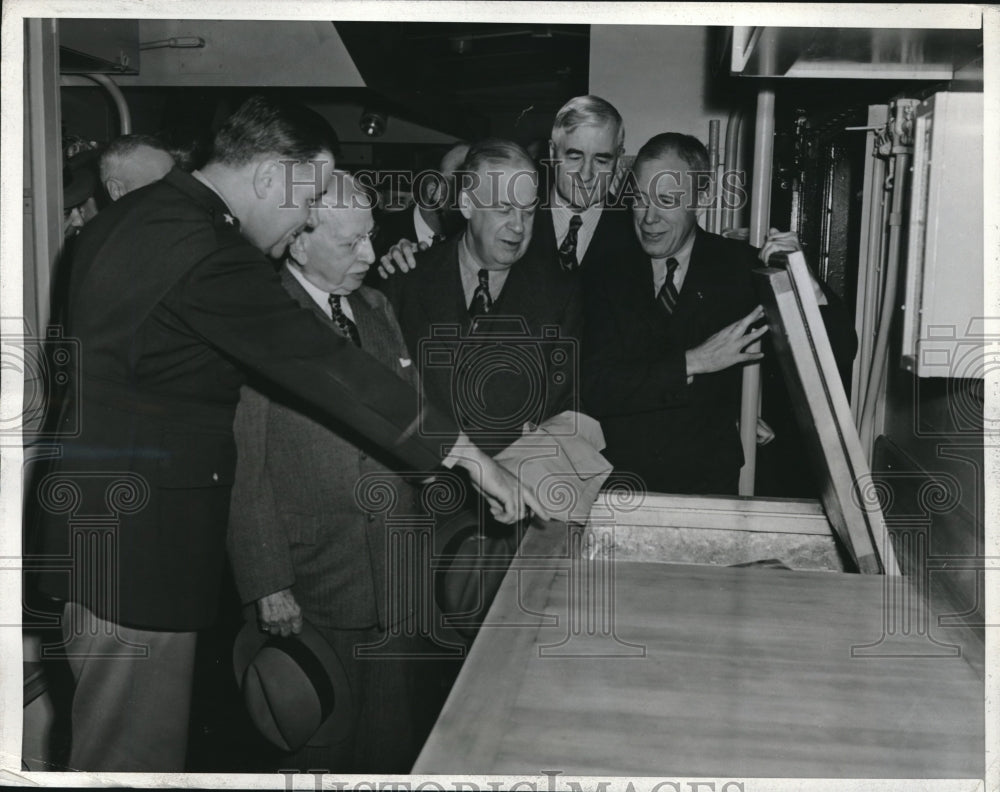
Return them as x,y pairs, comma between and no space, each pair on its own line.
824,414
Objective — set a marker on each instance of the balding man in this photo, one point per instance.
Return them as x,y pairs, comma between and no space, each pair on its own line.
133,161
482,288
299,541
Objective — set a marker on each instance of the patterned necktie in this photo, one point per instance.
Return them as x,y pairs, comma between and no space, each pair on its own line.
481,303
668,292
567,250
343,321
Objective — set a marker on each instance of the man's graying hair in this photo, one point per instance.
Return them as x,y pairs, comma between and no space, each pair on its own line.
587,111
686,147
125,146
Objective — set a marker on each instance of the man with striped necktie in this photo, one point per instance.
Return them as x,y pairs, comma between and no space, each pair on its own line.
666,333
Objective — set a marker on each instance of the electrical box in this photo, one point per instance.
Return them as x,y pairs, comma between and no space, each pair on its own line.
943,316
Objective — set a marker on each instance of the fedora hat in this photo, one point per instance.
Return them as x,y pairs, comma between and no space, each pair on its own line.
473,553
295,688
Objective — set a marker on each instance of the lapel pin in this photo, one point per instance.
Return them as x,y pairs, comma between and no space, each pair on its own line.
230,220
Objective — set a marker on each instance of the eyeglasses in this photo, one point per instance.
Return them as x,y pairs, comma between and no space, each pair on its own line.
358,242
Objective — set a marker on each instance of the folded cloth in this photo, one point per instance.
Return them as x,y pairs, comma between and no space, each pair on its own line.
560,460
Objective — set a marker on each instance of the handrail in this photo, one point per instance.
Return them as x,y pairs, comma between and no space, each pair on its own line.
124,116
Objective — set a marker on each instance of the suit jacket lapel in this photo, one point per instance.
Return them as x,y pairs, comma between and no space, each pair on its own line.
544,232
518,291
301,296
697,282
441,294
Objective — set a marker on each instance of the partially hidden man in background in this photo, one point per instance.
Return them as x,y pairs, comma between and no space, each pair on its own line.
173,302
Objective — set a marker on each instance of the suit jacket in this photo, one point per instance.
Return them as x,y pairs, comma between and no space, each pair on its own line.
612,236
296,520
169,305
518,364
675,437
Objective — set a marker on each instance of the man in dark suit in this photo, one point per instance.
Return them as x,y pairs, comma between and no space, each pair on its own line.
667,325
581,223
171,301
433,218
300,542
492,330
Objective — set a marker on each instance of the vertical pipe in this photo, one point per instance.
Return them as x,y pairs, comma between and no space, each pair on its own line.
880,355
760,215
711,213
124,116
733,127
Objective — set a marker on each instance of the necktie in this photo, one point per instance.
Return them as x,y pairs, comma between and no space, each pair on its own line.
567,250
343,322
481,303
668,292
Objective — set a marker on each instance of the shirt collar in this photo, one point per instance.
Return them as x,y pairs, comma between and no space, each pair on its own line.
319,296
424,232
204,180
466,258
562,213
683,255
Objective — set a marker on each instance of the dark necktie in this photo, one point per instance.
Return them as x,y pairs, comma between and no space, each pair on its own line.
668,292
481,303
567,250
343,321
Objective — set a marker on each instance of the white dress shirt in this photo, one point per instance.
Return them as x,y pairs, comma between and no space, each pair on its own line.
469,268
589,218
424,232
319,296
683,257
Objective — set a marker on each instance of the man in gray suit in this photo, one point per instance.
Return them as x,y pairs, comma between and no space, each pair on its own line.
307,537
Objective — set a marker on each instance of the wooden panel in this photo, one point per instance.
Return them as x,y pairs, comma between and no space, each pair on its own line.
773,515
703,671
823,413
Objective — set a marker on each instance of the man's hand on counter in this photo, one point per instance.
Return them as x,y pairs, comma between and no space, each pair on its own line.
509,499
